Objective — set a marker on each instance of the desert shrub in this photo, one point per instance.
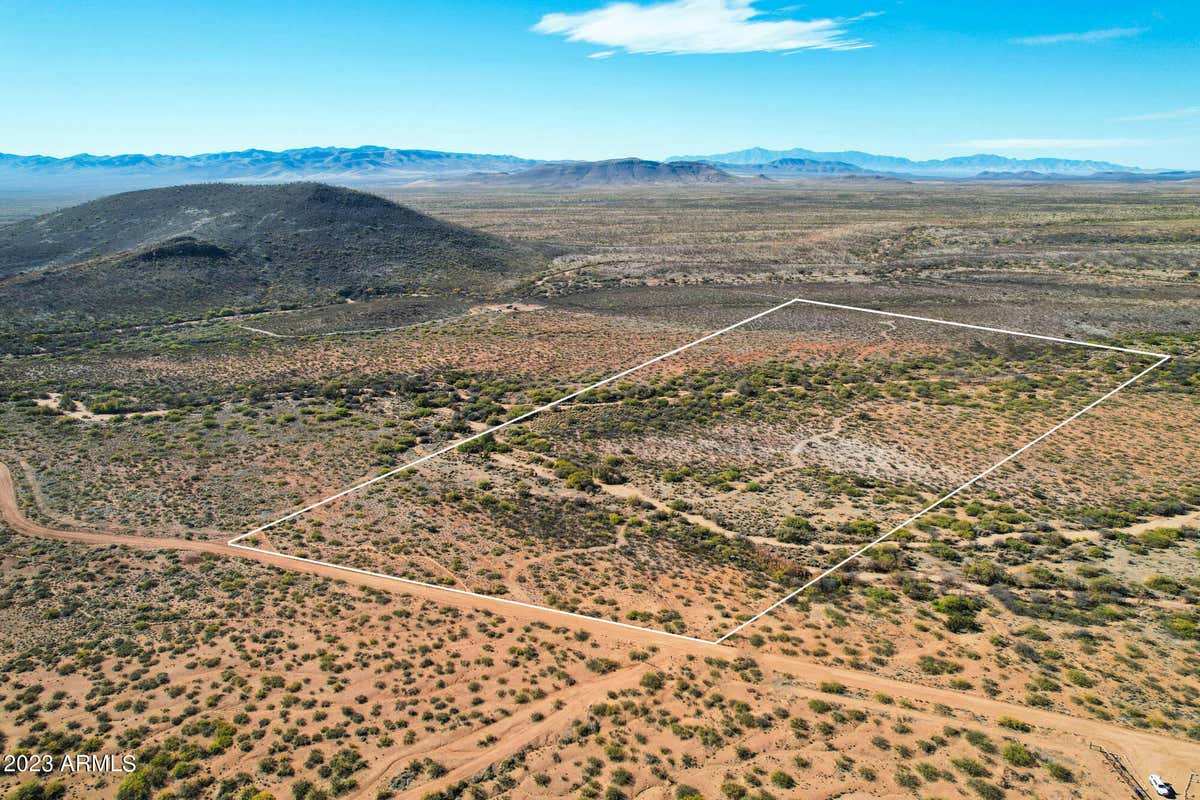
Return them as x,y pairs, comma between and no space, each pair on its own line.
880,594
932,665
970,766
1182,624
980,740
939,549
580,481
928,771
35,790
1105,518
864,528
1016,754
137,785
782,779
1080,678
917,589
1014,724
988,791
1159,538
1164,584
960,612
1034,632
986,571
795,530
482,446
652,681
602,666
1059,772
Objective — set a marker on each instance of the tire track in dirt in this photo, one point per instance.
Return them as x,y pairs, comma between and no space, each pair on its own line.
514,733
1146,749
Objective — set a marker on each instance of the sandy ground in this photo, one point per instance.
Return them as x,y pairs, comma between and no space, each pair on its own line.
1143,748
80,413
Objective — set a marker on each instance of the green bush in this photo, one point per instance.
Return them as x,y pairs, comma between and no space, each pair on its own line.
986,571
987,791
652,681
1060,773
1159,538
33,789
1080,678
970,766
782,779
1014,724
1016,754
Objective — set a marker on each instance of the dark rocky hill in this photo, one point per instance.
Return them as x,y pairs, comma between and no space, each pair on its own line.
187,250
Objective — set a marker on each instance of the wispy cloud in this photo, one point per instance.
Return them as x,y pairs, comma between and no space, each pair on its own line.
681,27
1102,35
1178,113
1051,144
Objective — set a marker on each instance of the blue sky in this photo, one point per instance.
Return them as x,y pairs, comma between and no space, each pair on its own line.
583,79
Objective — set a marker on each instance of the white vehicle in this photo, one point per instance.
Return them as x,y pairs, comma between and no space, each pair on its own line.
1162,787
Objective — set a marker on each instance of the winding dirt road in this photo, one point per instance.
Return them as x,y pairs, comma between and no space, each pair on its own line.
1071,735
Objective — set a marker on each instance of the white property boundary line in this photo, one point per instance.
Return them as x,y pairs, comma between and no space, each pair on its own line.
940,500
235,541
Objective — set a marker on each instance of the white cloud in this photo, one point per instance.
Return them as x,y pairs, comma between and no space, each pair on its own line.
1178,113
1101,35
1050,144
603,54
681,27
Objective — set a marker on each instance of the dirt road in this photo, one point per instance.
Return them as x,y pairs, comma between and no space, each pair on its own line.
1148,751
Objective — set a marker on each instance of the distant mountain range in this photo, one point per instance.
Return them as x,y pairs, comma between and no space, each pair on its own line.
785,169
1028,176
338,164
958,167
89,174
614,172
793,166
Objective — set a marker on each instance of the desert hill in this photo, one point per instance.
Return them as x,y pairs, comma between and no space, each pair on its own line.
807,166
330,164
803,168
614,172
188,250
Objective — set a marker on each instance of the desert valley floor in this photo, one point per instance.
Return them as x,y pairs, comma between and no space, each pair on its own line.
1037,635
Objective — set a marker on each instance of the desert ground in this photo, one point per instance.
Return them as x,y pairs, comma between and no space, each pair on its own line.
1036,635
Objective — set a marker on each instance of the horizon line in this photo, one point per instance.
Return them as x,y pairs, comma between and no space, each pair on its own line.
916,161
